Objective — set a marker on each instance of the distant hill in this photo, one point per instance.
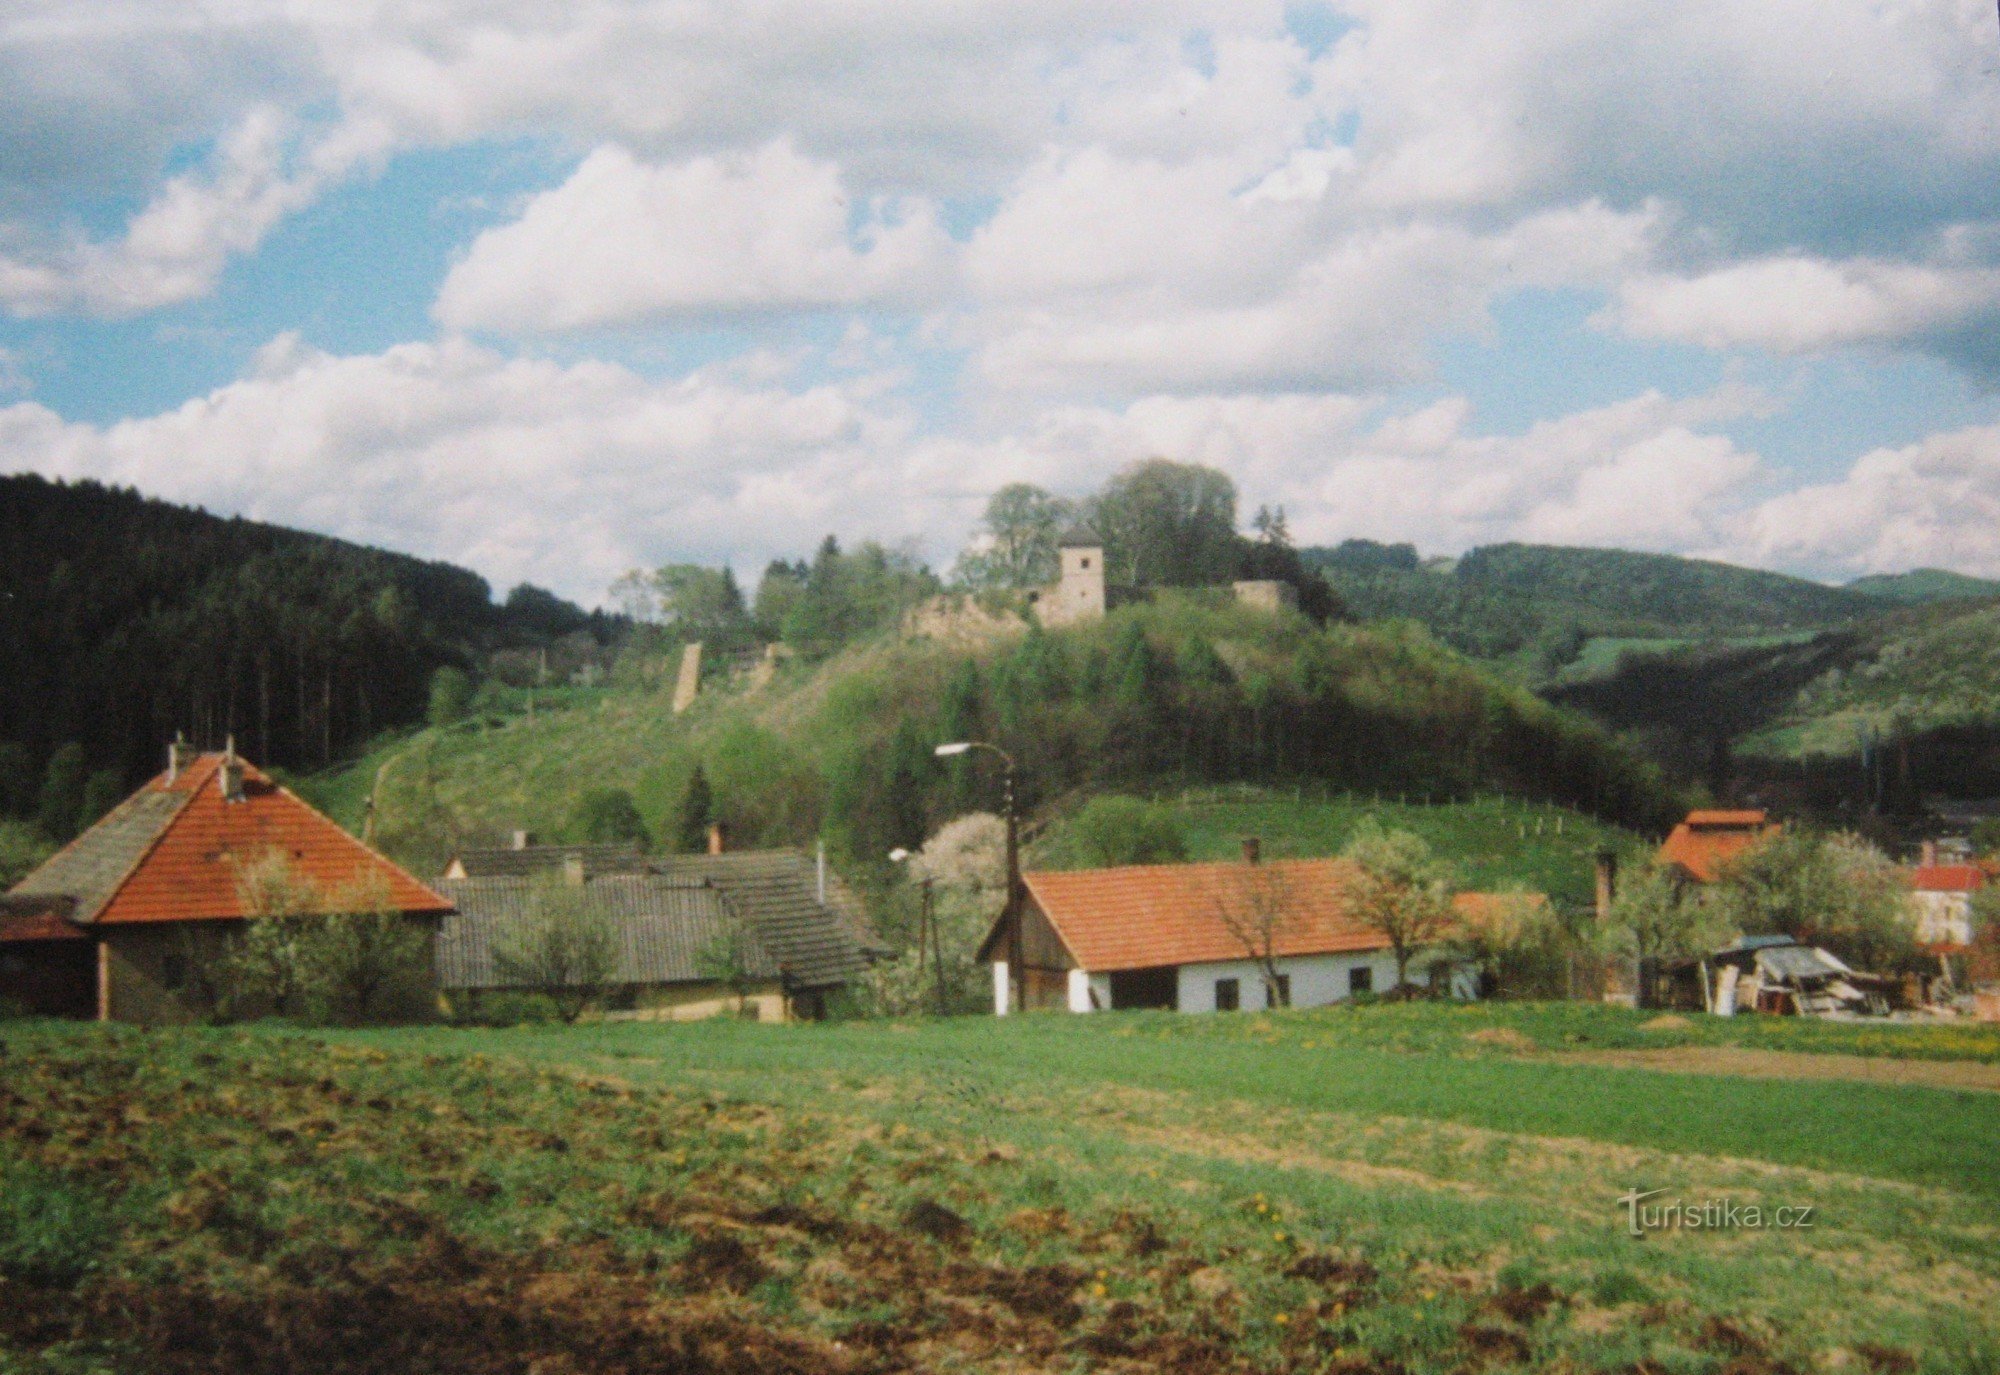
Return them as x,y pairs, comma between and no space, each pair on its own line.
125,619
1540,604
1925,585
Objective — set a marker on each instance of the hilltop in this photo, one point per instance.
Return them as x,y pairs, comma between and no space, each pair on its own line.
1190,688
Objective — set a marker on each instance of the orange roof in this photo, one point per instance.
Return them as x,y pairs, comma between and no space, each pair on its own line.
1947,878
174,849
1706,841
1146,916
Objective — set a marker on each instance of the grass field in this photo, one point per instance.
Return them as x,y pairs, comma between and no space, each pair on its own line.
1374,1189
1494,843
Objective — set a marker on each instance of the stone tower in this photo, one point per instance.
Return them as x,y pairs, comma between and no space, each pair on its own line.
1079,593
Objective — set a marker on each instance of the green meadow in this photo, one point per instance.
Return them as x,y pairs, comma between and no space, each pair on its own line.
1361,1189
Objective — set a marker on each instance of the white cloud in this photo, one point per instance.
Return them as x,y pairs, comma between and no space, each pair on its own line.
524,470
1932,504
621,242
174,249
1795,304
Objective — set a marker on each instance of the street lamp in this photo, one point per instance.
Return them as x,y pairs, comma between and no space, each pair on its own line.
927,931
1011,911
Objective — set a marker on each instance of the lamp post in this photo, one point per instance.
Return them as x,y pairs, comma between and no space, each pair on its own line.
1011,911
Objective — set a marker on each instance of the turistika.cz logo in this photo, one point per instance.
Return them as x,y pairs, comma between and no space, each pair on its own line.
1708,1215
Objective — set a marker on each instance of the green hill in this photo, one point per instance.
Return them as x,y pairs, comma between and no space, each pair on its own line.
1539,608
124,619
1925,585
1190,689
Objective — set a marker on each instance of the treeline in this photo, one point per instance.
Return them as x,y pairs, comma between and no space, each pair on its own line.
124,620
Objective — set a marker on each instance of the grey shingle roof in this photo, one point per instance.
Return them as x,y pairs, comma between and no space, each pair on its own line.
666,921
664,927
90,868
502,861
818,945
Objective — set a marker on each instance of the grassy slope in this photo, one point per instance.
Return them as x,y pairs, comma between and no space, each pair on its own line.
1938,666
1495,843
1137,1192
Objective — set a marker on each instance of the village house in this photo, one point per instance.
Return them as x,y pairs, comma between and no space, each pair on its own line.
117,923
770,934
1700,847
1941,895
1193,937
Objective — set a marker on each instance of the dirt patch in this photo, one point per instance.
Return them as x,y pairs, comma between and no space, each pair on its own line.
1666,1021
1500,1038
1791,1064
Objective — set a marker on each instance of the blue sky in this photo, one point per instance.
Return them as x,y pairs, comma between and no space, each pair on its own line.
556,294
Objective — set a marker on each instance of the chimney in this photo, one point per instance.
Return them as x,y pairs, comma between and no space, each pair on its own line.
178,755
1253,849
718,838
1927,854
573,870
1607,883
520,840
230,776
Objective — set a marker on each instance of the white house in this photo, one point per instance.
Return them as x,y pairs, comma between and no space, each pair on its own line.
1942,897
1189,936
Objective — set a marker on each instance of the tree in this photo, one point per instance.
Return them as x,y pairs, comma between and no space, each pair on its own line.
60,805
1258,904
965,863
564,949
732,960
451,696
1113,830
696,814
606,816
1017,548
102,791
18,780
365,961
701,603
265,970
1656,917
1834,891
1169,524
22,848
1399,889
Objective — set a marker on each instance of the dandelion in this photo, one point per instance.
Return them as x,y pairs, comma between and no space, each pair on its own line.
1277,1236
1282,1318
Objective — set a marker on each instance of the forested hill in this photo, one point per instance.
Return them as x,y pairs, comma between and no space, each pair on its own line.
1926,585
1544,601
124,619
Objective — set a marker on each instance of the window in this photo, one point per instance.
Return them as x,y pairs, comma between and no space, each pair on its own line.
1228,995
1284,990
1361,979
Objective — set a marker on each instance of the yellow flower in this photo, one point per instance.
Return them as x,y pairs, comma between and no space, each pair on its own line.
1098,1290
1282,1319
1277,1236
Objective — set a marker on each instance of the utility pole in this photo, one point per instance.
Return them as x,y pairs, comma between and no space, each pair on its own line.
1017,975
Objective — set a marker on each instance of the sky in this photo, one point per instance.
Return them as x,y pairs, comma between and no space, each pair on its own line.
555,291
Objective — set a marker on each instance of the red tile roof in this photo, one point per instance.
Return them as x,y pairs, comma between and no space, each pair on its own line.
1708,840
1147,916
188,869
1947,878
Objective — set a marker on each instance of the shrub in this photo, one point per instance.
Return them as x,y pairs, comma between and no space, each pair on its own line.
565,950
1126,830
